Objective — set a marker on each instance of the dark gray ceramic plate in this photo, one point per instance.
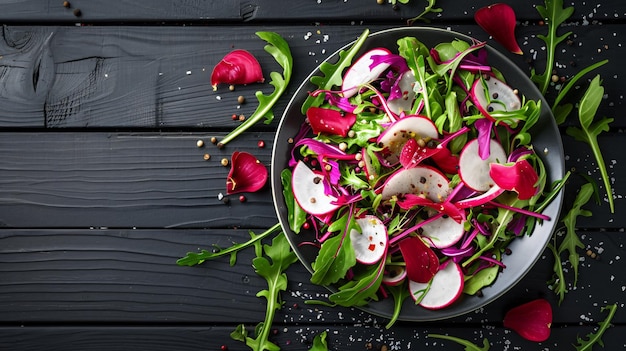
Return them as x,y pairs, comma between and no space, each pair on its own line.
525,250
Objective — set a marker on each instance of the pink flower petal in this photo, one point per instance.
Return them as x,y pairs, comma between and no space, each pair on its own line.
237,67
531,320
520,177
498,20
330,121
421,261
247,174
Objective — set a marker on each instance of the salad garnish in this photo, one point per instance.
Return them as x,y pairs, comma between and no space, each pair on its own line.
499,21
415,170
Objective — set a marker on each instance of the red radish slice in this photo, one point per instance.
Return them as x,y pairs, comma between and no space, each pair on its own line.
404,103
445,288
360,73
412,127
501,97
473,170
443,232
370,245
394,275
308,190
420,180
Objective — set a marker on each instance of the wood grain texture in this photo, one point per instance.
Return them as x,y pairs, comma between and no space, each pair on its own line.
158,77
290,338
130,276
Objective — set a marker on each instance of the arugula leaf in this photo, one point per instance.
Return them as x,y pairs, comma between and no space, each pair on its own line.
430,8
590,130
399,293
554,15
319,342
279,49
281,256
295,213
360,290
562,111
596,338
193,258
336,256
570,242
333,73
469,346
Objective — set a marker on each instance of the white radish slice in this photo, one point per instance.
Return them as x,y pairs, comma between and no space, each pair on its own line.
501,96
473,170
308,190
481,199
394,275
371,243
420,180
370,170
445,287
394,137
404,103
360,73
443,232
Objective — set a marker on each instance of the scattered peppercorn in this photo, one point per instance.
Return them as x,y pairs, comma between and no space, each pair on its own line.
206,157
242,198
66,4
234,117
241,99
224,162
260,144
380,2
231,87
242,117
214,140
200,143
77,12
223,348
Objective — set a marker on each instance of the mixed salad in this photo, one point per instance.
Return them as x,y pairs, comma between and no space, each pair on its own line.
416,170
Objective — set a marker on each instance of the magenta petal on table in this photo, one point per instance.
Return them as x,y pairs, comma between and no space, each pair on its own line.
237,67
531,320
499,21
247,174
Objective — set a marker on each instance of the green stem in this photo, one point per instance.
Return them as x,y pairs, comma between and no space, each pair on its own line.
563,92
605,176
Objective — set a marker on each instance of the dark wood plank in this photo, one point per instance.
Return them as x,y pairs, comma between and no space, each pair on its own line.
144,180
160,179
293,338
268,10
130,276
101,76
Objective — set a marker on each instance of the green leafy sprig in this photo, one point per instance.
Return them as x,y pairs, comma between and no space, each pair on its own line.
271,265
554,14
194,258
596,337
570,242
279,49
319,342
430,8
589,130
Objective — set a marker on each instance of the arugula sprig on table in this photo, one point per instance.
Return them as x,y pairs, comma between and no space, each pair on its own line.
279,49
596,337
570,242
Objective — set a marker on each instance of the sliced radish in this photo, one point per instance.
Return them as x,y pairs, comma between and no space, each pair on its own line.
360,72
371,243
443,232
473,170
405,102
412,127
394,275
309,191
445,288
481,199
420,180
501,97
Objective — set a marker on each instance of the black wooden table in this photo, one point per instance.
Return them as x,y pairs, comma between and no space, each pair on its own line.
103,188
